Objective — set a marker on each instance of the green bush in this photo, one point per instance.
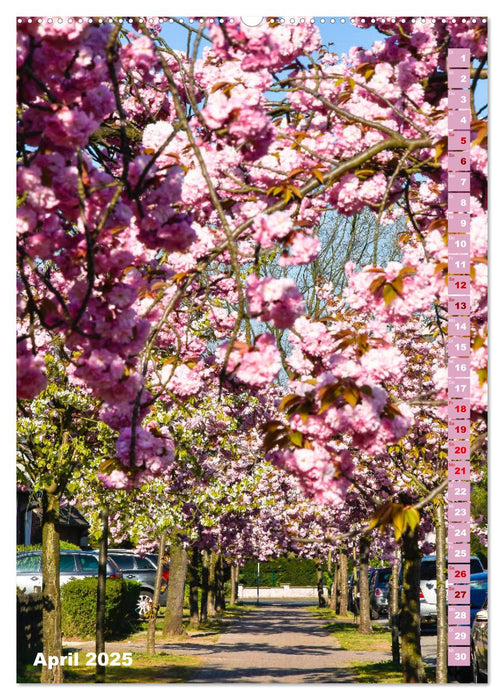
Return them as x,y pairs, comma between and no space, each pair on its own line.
31,547
277,572
78,608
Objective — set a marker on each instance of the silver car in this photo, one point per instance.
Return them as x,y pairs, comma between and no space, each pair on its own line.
139,568
74,564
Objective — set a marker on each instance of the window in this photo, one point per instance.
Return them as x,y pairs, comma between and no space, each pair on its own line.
88,562
29,562
124,561
67,562
145,564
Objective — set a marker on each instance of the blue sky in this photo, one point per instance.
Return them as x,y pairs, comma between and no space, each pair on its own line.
341,35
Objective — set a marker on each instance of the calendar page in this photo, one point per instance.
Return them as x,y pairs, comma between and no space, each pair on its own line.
252,349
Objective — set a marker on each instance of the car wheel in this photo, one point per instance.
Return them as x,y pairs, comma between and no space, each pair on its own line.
144,606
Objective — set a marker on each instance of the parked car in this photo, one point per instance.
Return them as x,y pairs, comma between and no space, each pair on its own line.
166,566
74,564
378,592
354,589
479,646
428,587
479,591
136,567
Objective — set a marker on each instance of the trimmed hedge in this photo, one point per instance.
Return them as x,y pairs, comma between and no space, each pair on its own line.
276,572
31,547
78,608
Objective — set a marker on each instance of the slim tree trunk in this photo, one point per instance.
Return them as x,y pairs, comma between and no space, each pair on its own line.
320,585
364,611
220,598
212,584
151,630
394,612
100,597
334,590
442,619
172,626
205,576
51,613
343,603
234,584
412,664
194,589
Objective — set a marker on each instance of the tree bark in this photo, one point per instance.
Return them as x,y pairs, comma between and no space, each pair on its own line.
51,613
412,664
194,619
333,562
364,610
212,560
234,584
100,597
343,603
442,618
151,630
320,585
220,597
172,626
394,615
205,585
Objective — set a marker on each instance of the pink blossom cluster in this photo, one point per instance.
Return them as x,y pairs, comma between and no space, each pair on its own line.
275,300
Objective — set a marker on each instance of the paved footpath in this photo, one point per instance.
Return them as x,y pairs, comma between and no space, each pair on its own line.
279,643
275,644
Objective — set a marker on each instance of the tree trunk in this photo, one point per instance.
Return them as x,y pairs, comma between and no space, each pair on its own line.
194,589
220,598
151,630
320,585
343,603
412,664
51,613
205,576
394,615
442,618
100,597
364,610
333,604
172,626
212,560
234,584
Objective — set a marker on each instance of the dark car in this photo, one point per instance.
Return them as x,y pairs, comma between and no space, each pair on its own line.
136,567
74,564
354,589
378,592
479,646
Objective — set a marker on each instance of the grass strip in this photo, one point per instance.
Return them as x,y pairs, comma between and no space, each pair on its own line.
155,668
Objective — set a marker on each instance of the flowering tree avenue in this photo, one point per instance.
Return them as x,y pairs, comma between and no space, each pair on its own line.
153,183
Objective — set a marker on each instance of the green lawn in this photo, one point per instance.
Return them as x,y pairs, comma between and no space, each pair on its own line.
156,668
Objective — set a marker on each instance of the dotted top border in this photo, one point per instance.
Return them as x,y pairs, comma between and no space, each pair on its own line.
282,20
